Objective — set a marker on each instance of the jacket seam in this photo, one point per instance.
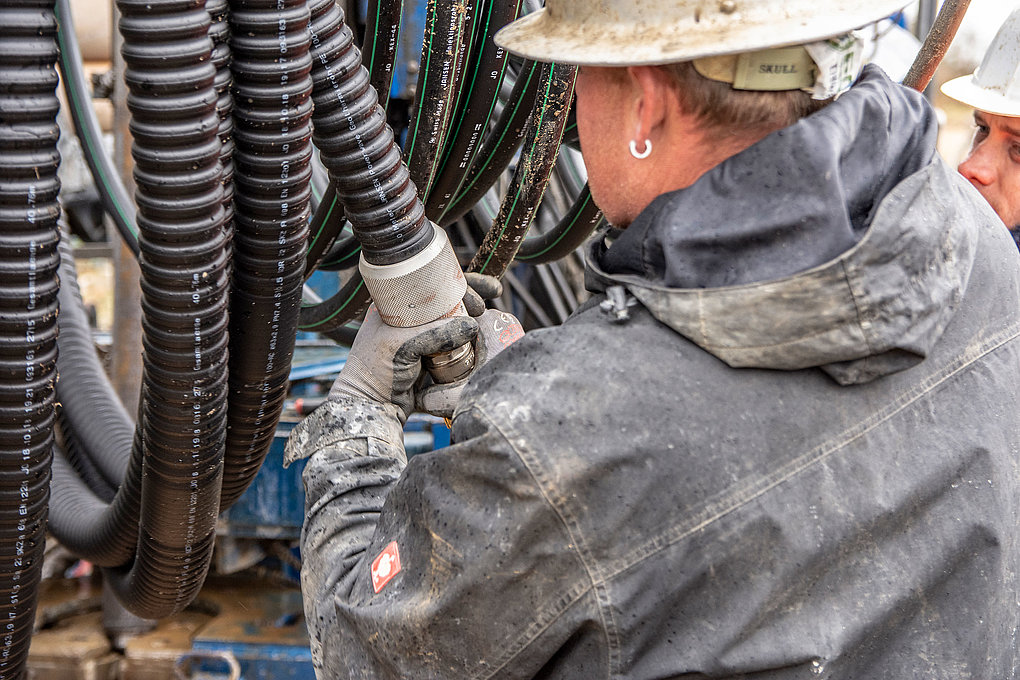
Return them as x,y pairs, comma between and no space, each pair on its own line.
733,500
857,307
597,585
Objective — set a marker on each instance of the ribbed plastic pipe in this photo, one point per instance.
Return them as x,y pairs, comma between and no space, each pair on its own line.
357,146
29,235
183,260
272,90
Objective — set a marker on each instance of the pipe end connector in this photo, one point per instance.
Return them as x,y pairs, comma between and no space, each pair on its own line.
419,290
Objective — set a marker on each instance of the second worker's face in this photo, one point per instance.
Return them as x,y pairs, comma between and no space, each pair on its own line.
993,164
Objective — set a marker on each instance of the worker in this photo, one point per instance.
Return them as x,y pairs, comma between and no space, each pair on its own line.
781,440
993,164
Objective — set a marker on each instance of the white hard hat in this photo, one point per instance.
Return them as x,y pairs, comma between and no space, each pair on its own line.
995,86
631,32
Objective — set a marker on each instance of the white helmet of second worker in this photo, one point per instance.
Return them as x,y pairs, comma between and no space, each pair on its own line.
995,86
633,32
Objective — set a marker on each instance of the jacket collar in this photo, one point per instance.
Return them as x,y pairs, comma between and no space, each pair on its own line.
875,306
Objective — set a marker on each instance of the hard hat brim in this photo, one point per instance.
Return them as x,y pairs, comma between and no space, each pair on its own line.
540,37
966,91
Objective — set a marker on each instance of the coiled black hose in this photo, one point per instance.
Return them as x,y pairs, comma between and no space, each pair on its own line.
105,535
28,311
87,471
184,263
272,134
89,404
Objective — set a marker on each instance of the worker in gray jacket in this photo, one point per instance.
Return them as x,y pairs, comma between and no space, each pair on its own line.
993,164
780,442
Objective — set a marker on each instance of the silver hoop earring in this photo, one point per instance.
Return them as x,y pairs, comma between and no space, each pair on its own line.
641,155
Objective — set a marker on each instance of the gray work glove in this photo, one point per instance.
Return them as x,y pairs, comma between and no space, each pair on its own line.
497,331
385,363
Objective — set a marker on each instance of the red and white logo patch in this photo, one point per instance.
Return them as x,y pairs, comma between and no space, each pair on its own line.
385,567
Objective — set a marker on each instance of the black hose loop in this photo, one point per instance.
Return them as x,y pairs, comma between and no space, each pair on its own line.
28,311
171,77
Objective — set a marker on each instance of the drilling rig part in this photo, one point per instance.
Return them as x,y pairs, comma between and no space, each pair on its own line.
29,214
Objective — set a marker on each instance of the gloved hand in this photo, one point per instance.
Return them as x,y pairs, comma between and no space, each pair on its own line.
385,363
497,331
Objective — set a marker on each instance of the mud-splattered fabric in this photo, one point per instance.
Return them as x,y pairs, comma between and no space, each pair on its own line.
806,477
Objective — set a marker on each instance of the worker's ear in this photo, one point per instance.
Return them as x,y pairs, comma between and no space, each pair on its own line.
655,96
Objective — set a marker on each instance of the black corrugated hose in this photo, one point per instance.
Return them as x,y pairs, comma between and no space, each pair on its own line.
219,33
184,262
104,534
29,215
272,135
89,404
357,147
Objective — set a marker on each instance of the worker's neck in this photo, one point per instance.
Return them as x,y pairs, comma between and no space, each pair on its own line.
700,148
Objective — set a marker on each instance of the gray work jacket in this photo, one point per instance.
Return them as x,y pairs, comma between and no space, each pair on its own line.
808,476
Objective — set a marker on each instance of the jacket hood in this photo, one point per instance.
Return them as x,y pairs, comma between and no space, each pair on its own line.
842,242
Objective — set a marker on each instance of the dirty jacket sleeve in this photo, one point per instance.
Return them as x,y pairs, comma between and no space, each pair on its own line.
489,583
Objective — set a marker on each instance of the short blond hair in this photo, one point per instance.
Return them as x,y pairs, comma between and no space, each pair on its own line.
718,105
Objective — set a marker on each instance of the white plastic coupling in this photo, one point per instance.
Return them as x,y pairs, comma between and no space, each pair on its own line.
424,288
